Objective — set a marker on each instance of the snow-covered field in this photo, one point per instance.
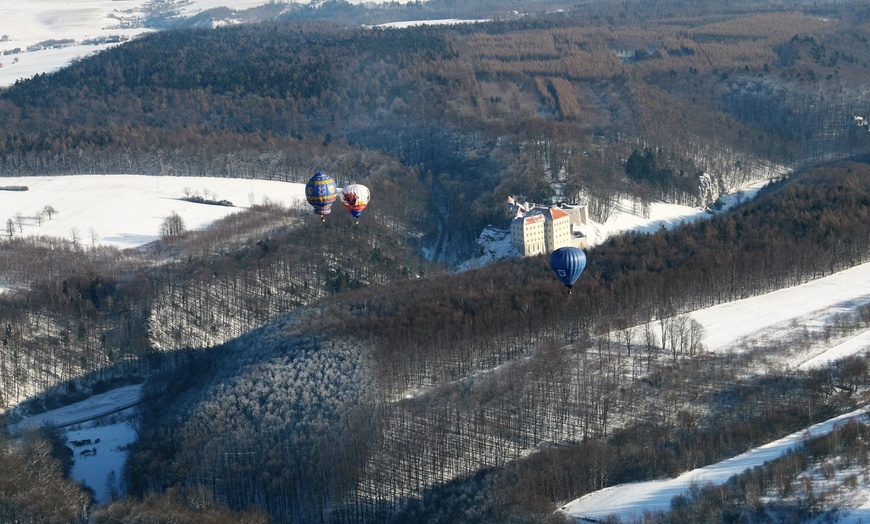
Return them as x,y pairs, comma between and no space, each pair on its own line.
127,210
41,36
727,326
45,35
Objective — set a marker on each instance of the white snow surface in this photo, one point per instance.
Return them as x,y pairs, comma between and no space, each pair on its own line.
727,325
103,458
663,215
27,23
126,210
94,406
103,470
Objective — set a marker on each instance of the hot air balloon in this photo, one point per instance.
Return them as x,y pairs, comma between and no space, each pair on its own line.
321,193
568,263
355,198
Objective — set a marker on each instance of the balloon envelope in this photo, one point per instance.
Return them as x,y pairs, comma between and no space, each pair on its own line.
568,263
355,198
321,192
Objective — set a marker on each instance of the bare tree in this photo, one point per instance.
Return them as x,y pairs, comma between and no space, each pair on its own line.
172,226
651,341
10,227
19,219
49,210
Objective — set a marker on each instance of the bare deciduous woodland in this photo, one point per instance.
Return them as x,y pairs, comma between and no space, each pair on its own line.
303,371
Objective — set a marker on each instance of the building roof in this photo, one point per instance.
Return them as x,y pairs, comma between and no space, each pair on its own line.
556,213
538,214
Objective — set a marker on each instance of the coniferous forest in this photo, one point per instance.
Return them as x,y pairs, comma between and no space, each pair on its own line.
303,371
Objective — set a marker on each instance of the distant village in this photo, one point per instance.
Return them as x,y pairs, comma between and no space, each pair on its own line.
538,229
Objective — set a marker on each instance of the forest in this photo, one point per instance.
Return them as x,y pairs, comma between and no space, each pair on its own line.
325,373
549,106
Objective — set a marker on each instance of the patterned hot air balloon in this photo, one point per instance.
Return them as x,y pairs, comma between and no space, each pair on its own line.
568,263
355,198
321,193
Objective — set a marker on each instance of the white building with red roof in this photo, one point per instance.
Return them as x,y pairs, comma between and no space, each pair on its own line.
540,229
528,235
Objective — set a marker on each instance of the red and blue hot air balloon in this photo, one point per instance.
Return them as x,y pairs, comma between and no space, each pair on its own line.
355,198
568,263
321,192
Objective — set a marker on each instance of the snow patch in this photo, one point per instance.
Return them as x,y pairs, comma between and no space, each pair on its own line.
496,245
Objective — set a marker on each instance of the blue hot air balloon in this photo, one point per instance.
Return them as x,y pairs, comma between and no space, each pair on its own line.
568,263
321,192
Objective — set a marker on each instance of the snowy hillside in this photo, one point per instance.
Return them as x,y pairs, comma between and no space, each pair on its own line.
126,210
630,501
41,37
495,243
